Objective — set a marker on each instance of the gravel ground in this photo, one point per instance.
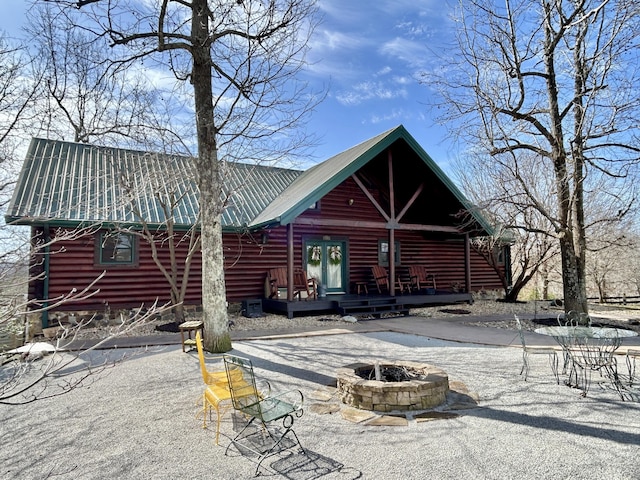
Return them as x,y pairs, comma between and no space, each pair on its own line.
137,421
480,309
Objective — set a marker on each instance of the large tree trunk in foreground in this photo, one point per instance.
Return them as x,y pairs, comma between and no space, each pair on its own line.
214,309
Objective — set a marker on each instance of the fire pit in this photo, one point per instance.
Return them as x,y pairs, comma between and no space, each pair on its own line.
392,386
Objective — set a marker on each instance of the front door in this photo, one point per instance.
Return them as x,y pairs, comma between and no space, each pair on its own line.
326,262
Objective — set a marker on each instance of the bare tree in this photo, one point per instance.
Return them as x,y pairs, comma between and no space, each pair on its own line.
242,59
168,186
553,79
16,95
89,99
35,373
26,376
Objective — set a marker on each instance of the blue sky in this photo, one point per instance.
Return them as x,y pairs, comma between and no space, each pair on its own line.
369,54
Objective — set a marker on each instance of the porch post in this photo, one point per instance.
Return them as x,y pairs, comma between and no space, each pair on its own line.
290,262
392,262
392,231
467,263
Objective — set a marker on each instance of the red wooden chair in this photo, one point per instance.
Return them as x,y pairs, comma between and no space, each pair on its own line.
381,278
420,278
278,279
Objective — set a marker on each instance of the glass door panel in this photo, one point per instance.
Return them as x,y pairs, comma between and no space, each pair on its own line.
334,267
326,263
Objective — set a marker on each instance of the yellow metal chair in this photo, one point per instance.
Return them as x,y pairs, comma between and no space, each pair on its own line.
216,392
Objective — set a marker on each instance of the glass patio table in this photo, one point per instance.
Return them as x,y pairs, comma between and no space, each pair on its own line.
588,349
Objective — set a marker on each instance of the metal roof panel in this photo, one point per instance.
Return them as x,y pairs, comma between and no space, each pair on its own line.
73,182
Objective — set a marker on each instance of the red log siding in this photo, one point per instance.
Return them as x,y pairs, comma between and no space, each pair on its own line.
247,264
72,266
247,261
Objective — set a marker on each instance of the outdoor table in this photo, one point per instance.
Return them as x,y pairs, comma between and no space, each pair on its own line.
587,349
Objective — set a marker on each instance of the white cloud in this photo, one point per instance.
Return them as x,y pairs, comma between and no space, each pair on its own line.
408,51
394,114
334,40
403,80
365,91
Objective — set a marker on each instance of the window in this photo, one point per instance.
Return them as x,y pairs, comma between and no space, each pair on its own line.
116,249
383,253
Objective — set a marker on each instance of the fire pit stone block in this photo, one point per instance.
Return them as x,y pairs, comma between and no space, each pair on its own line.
427,388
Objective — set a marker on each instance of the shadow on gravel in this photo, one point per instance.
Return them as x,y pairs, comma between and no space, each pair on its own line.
312,465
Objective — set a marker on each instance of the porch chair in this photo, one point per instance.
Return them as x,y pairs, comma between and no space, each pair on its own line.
381,278
302,283
527,350
420,278
263,408
277,279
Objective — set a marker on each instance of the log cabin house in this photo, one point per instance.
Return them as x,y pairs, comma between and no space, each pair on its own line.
382,202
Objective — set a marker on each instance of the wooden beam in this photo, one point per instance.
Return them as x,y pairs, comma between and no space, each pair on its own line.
467,263
392,262
328,222
392,192
427,228
370,197
290,262
410,202
392,224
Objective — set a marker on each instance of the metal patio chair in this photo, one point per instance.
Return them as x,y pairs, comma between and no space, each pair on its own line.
588,357
630,358
571,319
263,408
216,391
527,350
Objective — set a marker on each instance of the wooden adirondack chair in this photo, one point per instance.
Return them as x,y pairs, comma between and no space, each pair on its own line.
420,278
381,277
277,278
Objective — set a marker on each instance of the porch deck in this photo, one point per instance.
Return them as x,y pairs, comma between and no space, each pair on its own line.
372,304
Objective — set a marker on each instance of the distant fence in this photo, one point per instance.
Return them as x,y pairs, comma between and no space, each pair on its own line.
617,300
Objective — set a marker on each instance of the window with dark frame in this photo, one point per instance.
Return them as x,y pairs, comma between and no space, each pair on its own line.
116,248
383,253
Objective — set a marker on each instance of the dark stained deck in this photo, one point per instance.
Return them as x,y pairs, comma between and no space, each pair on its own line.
371,304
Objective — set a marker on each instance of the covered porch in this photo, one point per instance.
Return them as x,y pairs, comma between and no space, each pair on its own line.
366,304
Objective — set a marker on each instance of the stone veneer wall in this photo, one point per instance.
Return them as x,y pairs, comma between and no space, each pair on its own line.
416,394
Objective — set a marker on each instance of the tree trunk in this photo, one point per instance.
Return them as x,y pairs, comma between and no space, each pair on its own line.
214,309
574,288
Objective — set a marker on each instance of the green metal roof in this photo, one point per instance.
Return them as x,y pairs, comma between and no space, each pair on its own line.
68,183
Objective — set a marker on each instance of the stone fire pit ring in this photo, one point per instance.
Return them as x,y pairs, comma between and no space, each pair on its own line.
426,389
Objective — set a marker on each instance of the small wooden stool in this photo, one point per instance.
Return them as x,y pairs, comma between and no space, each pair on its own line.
190,326
360,286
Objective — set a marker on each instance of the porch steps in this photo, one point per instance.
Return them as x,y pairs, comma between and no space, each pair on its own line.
372,306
